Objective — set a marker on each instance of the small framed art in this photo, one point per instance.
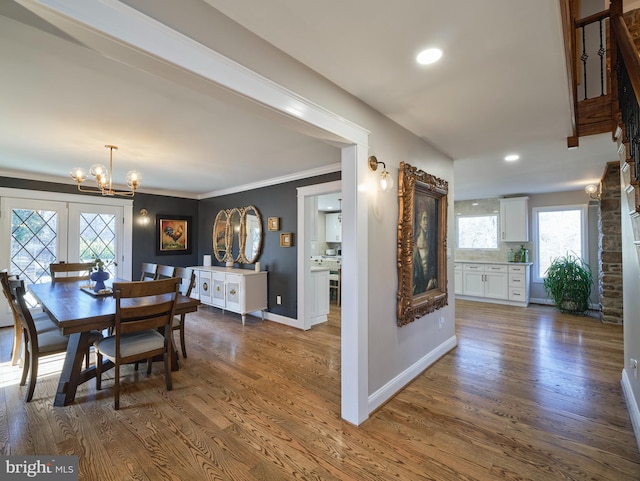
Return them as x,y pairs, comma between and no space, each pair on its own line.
286,239
274,223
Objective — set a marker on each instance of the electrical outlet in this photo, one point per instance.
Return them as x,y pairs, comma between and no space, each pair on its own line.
278,300
634,366
441,322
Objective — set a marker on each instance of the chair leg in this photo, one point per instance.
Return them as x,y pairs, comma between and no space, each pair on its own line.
116,394
149,363
167,370
98,371
182,344
33,377
17,346
26,362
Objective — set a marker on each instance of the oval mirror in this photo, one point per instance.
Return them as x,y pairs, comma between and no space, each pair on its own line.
220,246
251,235
233,251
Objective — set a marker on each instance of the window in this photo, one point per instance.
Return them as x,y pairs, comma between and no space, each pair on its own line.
559,231
477,231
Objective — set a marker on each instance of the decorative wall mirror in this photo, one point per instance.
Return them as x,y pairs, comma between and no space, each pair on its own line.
252,235
220,236
237,235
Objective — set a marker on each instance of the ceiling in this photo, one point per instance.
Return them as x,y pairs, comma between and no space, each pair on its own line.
500,88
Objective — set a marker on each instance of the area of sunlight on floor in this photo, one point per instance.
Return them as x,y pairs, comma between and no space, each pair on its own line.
47,366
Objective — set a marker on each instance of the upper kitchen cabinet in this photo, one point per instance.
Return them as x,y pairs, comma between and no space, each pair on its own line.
514,219
333,227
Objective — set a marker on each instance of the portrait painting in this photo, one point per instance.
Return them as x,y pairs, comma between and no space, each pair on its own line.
422,244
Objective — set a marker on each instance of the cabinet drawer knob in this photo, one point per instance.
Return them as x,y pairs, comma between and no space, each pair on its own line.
232,292
205,286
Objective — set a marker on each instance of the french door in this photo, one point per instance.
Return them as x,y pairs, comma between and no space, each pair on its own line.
37,232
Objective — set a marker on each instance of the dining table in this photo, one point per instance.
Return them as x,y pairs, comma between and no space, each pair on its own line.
77,310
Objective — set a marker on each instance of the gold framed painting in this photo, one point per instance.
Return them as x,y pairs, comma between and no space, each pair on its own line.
422,244
286,239
274,223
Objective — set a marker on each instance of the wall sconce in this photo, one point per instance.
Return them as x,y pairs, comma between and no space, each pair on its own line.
592,191
144,216
385,181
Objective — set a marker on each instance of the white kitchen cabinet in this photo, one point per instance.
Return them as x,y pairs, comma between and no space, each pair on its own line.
237,290
458,278
502,283
473,280
514,219
488,281
319,297
333,227
519,275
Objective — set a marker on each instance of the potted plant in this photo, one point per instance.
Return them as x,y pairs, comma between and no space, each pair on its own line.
568,281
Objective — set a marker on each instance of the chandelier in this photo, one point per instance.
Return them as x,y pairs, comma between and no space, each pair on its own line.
102,177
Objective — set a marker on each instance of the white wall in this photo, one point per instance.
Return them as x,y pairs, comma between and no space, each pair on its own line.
631,287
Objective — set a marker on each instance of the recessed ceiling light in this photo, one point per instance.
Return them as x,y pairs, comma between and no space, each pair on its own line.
474,203
512,157
428,56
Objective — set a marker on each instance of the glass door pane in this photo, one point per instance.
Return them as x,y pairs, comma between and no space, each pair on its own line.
95,232
37,233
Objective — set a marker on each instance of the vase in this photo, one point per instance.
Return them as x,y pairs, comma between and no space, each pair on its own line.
99,277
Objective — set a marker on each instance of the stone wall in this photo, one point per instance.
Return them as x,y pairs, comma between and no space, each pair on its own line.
610,246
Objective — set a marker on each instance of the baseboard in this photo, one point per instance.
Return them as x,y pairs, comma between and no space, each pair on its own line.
394,386
632,406
287,321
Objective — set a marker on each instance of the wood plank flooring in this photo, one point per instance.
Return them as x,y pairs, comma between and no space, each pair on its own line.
529,394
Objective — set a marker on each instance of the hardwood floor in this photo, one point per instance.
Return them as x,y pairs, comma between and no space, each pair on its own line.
529,394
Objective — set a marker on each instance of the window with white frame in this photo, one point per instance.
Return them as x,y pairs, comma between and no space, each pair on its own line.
560,231
477,231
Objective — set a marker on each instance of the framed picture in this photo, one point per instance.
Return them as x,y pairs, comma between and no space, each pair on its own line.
286,239
173,234
422,244
274,223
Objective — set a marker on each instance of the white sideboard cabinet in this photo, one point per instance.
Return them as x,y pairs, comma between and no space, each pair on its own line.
514,219
500,283
237,290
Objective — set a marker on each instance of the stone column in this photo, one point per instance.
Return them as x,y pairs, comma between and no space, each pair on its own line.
610,246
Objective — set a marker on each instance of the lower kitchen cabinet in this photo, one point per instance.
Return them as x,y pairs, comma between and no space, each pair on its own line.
505,283
237,290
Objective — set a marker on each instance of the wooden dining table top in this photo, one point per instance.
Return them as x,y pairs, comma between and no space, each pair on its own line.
75,310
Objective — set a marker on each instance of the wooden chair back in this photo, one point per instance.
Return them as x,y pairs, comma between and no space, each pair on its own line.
53,342
17,324
70,271
187,279
148,271
143,305
164,272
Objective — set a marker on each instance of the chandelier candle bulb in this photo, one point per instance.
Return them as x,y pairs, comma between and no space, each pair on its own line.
258,266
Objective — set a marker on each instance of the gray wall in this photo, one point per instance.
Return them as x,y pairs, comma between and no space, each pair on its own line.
281,263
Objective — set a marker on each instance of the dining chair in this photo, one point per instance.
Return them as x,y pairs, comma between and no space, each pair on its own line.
70,271
143,310
41,319
164,272
187,281
38,344
148,271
